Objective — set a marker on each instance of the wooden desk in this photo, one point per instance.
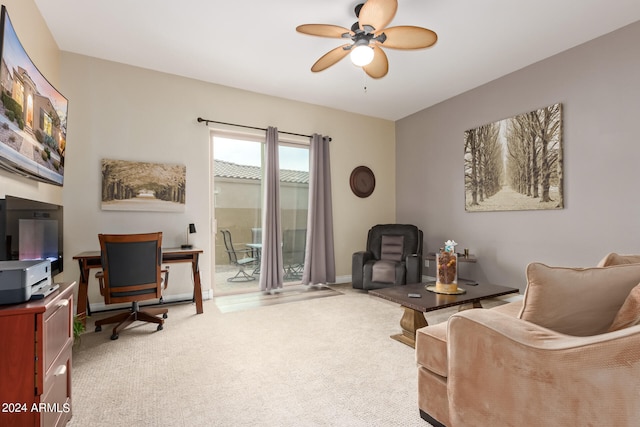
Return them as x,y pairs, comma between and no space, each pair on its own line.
91,259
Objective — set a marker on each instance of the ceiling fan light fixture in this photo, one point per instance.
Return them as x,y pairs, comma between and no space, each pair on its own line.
370,34
361,55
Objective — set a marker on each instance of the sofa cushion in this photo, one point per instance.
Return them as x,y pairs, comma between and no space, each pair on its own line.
629,313
577,301
431,348
431,341
384,271
617,259
391,247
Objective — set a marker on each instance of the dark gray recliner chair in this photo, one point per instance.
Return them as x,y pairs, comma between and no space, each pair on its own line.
393,257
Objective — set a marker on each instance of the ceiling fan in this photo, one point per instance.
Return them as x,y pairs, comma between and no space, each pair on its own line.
368,35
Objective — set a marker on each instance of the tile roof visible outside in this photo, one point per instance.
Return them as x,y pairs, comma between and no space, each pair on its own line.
232,170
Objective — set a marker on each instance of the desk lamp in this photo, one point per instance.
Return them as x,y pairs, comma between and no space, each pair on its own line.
191,228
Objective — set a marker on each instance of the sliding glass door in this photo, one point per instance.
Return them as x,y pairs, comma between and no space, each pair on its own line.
237,206
294,202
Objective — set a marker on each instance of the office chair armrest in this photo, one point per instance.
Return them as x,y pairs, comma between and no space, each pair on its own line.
100,277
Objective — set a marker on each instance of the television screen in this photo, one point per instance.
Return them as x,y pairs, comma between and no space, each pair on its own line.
31,230
33,114
38,239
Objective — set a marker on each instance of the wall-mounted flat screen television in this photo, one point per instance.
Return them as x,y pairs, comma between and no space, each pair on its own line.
33,114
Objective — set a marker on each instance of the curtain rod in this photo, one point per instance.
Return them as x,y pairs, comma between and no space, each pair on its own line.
207,121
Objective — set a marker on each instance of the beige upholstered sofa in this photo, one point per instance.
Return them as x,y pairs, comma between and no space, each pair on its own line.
568,354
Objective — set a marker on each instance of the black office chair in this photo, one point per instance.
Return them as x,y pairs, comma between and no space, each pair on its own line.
131,272
242,261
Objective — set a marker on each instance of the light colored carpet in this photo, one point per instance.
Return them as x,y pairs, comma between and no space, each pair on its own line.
316,362
246,301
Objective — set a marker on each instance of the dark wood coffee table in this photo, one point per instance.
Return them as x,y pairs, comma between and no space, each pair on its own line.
413,317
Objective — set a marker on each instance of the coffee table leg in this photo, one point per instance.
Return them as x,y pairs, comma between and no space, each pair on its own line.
475,304
411,321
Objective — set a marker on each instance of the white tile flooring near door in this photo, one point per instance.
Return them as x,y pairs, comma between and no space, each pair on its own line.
224,287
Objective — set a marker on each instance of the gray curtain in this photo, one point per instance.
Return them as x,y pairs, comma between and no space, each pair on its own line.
319,262
271,265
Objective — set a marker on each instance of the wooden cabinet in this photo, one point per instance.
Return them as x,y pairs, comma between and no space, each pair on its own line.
35,360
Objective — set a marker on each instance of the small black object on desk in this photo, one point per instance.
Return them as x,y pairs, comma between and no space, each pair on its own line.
191,228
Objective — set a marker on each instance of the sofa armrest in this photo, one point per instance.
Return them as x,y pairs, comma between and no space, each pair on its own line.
414,269
358,260
511,372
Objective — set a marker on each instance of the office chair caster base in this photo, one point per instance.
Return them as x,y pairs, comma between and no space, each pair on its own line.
98,328
160,327
114,337
165,315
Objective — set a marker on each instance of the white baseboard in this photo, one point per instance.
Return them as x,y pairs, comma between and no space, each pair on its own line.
343,279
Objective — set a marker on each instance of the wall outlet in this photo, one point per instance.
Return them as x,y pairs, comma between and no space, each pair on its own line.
426,263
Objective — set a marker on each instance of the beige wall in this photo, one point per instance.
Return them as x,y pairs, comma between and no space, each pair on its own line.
599,87
43,51
122,112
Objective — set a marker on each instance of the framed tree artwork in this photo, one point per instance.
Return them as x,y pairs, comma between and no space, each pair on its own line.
515,163
143,186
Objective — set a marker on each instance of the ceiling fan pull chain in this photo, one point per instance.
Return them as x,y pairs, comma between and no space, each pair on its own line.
364,83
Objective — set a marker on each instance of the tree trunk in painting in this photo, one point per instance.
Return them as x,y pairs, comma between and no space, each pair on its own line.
127,180
515,160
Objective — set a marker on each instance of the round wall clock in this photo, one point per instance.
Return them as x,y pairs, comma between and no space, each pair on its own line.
362,181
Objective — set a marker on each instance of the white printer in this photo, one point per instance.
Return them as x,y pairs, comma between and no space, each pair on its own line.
19,280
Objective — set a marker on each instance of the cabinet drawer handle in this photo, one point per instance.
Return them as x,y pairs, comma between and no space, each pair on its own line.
62,369
63,303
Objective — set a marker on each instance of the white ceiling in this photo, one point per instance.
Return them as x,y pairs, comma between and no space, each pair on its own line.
253,44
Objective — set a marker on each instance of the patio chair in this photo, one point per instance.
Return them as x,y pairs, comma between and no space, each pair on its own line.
293,247
239,257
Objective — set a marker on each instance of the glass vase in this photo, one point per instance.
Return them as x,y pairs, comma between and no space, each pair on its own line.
447,268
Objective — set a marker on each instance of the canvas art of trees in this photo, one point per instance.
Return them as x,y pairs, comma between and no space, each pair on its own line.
515,163
144,186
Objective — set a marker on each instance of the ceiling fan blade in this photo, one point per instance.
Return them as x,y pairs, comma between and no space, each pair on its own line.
330,58
379,67
322,30
377,13
409,37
